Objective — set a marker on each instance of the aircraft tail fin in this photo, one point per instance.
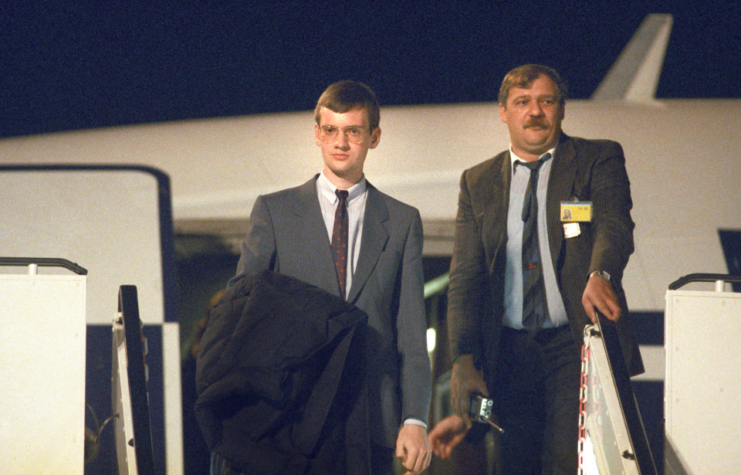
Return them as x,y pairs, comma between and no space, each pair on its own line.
635,75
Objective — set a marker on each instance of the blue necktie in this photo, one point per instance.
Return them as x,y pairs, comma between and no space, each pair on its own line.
534,305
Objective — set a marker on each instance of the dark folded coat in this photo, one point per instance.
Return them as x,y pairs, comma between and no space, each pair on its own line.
280,379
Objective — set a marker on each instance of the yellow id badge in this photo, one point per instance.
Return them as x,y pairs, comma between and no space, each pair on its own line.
576,211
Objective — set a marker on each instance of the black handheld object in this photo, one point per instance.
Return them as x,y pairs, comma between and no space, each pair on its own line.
481,411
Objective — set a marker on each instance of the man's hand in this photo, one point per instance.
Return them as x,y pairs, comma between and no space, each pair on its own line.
465,380
413,448
446,435
600,295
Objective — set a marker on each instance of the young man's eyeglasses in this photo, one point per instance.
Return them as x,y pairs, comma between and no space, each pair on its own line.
354,134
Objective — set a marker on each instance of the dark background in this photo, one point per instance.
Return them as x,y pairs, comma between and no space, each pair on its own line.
70,65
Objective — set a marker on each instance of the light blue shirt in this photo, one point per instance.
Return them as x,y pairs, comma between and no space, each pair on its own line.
513,295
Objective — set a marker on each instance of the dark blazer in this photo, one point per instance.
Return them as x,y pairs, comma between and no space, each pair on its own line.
590,170
287,235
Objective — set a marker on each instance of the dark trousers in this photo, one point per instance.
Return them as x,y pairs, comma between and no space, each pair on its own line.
382,460
536,397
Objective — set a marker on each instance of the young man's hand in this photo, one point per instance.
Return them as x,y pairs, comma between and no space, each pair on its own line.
413,448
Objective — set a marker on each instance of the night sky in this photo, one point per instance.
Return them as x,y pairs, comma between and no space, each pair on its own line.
70,65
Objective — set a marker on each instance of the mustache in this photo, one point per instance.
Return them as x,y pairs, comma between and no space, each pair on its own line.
537,123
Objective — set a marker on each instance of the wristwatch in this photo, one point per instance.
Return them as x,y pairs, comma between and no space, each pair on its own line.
600,273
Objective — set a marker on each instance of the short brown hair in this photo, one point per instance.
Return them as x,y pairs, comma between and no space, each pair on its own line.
344,96
523,76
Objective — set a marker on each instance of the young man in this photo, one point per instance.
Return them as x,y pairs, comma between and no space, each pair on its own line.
296,232
523,284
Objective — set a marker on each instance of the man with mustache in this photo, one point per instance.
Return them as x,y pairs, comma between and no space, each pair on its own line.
516,320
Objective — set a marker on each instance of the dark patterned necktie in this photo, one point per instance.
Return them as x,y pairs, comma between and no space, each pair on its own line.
339,239
534,304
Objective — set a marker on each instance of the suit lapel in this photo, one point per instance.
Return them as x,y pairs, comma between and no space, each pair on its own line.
310,225
493,193
560,188
375,236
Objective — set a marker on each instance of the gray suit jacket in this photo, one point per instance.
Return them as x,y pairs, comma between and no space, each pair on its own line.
287,235
590,170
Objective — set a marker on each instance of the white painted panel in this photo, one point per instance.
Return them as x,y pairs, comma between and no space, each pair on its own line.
173,398
42,368
703,380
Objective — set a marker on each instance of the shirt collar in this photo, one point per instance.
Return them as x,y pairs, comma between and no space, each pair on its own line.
327,189
514,157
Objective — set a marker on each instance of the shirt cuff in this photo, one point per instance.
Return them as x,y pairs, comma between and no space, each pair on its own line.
416,422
